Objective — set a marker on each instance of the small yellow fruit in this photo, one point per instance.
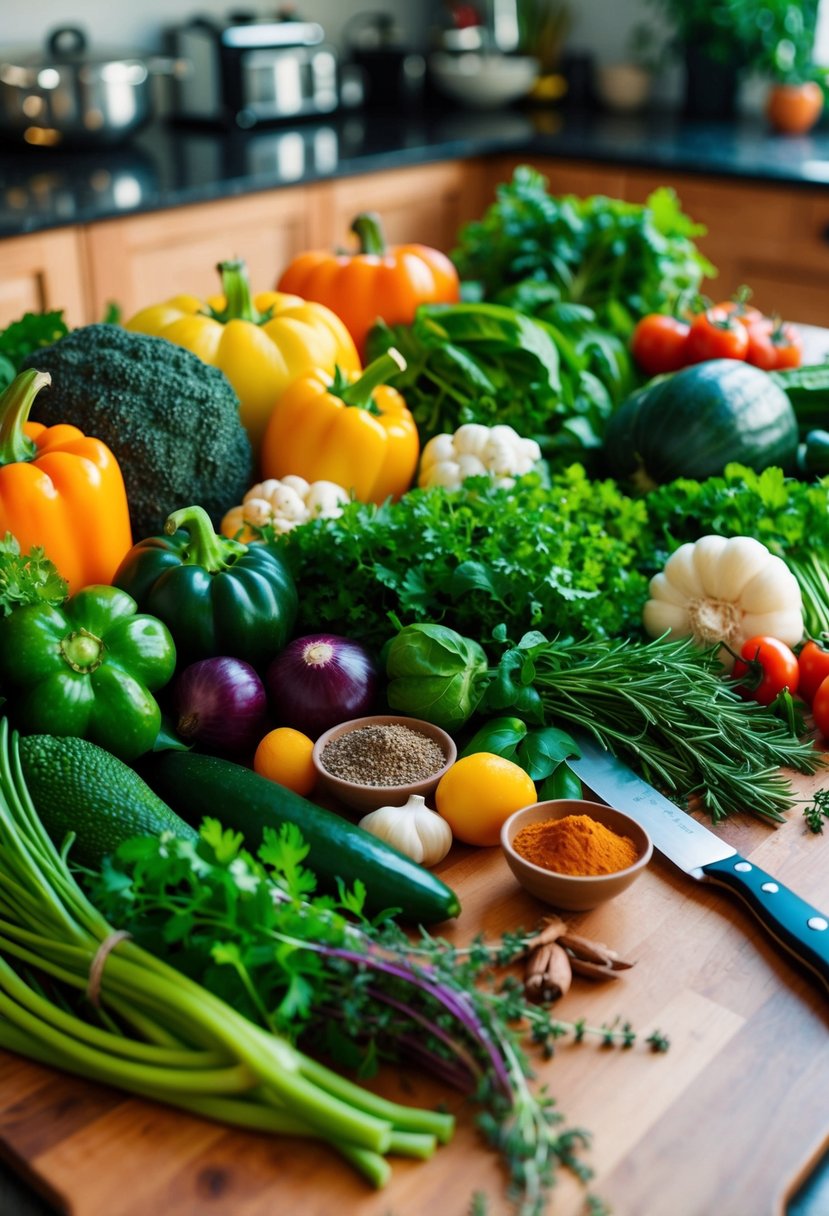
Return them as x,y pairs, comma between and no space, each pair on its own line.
284,756
479,793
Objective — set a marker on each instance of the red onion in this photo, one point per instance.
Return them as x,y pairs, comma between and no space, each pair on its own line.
319,681
220,704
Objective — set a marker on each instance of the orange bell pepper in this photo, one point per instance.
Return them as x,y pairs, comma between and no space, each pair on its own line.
60,489
357,433
375,281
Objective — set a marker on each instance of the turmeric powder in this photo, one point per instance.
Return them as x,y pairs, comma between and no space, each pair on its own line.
575,844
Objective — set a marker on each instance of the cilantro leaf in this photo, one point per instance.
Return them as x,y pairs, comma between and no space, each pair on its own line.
27,578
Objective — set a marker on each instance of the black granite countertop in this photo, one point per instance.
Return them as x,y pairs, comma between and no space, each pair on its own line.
167,166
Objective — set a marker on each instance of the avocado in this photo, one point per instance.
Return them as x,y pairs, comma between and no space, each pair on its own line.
79,787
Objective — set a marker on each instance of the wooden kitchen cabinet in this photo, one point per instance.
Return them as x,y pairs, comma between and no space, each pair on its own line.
423,203
141,259
44,271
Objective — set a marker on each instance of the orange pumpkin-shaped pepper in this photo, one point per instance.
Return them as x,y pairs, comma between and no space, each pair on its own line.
61,490
357,433
373,282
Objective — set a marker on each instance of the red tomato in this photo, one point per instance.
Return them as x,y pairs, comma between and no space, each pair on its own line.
716,334
658,343
771,666
813,662
820,708
741,310
773,345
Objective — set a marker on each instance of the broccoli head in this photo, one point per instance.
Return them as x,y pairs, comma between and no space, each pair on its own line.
171,420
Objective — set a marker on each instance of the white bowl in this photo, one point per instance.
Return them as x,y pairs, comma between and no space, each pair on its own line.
483,81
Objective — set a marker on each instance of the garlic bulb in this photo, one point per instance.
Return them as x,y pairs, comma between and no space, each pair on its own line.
413,828
725,590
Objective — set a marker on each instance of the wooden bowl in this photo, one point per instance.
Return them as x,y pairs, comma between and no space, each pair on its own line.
574,892
369,797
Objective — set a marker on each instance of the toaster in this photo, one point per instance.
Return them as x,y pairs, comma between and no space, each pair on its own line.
246,71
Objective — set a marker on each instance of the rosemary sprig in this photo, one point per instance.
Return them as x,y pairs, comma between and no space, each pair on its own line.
666,705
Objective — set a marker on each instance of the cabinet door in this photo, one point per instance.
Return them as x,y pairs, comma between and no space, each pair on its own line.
424,203
581,178
140,260
42,272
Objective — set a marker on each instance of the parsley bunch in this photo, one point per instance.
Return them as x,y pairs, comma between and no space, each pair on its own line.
311,967
565,557
29,578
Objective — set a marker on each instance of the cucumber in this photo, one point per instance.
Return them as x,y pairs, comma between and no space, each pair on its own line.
807,388
79,787
198,785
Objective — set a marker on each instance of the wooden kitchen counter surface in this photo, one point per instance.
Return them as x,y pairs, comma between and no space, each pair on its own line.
725,1122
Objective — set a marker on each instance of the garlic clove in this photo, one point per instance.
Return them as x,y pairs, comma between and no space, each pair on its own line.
661,588
765,589
659,617
786,626
741,559
707,553
682,573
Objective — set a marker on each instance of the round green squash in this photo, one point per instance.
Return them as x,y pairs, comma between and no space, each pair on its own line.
695,422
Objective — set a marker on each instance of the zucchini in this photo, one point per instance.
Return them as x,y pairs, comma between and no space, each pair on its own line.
808,391
79,787
198,785
695,422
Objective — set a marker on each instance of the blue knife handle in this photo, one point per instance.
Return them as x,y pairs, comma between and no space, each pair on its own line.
798,926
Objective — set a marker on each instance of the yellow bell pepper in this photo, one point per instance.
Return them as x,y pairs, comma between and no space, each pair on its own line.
260,342
356,432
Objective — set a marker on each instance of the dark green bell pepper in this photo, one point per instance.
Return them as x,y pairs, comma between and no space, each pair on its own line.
88,668
217,596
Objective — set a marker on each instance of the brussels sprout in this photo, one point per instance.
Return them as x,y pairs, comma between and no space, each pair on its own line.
435,674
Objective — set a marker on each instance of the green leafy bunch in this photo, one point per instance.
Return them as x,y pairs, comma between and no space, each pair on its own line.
620,259
564,557
29,578
21,338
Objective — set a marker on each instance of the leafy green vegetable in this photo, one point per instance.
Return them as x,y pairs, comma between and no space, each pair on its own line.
434,673
622,260
23,337
566,557
312,968
29,578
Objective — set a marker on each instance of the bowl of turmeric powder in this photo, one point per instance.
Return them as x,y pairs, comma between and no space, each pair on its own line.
574,854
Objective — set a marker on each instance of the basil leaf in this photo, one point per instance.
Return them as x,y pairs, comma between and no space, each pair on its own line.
542,751
499,735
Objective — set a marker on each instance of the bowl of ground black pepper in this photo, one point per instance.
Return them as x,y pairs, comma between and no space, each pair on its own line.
574,854
381,760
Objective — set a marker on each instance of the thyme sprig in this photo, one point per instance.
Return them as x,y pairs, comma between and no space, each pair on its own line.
816,812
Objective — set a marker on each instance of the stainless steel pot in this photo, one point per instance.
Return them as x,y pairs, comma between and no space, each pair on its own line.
64,94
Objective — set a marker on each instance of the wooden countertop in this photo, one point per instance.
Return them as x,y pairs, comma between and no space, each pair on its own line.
726,1121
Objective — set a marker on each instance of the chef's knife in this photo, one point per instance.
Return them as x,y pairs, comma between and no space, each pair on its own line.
792,922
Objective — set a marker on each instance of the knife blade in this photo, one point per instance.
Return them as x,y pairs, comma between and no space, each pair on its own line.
793,923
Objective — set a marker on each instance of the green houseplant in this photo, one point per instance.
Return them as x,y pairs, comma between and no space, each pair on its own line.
721,40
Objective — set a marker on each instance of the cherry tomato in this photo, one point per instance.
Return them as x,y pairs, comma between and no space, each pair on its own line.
715,334
658,343
741,310
813,662
773,345
820,708
771,666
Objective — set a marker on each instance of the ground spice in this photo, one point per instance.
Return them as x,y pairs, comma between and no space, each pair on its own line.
575,844
382,755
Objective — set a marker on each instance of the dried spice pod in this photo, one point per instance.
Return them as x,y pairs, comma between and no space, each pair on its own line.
548,974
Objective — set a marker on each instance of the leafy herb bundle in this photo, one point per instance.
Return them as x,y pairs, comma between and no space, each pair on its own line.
312,968
21,338
29,578
622,260
564,557
664,704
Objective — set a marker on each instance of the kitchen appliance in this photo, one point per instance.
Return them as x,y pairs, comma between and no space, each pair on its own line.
393,73
793,923
66,93
248,71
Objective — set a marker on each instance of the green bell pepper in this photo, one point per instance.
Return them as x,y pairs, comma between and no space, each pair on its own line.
217,596
88,668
